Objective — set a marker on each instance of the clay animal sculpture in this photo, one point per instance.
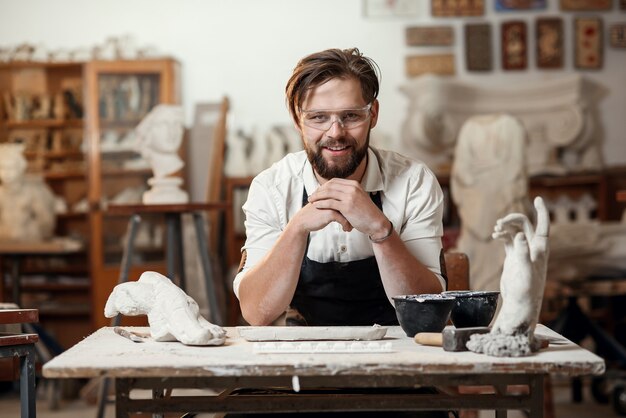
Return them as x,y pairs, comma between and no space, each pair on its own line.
172,314
521,285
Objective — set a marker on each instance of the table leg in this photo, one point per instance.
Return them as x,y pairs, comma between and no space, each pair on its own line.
180,253
122,396
158,394
27,383
535,388
170,220
15,278
203,250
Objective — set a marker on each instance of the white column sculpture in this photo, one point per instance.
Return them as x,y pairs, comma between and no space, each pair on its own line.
558,116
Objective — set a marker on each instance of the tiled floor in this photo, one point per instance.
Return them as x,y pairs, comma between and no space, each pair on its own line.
564,408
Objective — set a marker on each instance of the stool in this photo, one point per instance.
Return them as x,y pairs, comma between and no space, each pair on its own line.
22,346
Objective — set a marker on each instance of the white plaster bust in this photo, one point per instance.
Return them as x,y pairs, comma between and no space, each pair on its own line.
172,314
27,205
158,138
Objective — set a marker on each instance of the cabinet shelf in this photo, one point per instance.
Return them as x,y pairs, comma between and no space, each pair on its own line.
62,175
44,123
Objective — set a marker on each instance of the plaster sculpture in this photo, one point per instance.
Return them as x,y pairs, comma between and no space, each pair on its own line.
488,181
27,205
172,314
521,285
558,115
159,136
236,164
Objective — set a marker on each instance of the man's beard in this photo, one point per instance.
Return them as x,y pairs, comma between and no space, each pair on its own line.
335,169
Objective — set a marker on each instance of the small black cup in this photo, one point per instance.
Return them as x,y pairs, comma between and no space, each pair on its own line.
423,313
473,308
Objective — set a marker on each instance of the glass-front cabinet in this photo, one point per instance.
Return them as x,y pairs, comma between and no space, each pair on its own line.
120,94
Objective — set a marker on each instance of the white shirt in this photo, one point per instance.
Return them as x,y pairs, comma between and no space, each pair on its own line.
411,198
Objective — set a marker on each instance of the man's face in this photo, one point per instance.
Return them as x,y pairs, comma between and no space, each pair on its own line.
338,151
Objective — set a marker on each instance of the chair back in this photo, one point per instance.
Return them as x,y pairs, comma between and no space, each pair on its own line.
457,269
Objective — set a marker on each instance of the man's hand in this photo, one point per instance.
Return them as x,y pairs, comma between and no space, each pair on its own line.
348,198
310,219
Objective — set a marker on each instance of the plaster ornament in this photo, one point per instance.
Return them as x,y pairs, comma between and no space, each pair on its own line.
236,164
258,155
27,205
521,285
172,314
488,181
559,116
159,136
275,141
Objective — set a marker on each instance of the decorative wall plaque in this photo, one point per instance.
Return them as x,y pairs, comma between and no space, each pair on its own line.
386,8
448,8
442,64
586,5
429,36
549,35
505,5
478,47
588,43
617,33
514,55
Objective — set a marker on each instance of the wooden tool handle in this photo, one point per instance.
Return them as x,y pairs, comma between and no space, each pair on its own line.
429,338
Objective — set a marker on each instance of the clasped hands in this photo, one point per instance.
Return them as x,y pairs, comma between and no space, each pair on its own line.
343,201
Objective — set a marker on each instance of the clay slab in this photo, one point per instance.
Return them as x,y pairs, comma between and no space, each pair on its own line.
311,333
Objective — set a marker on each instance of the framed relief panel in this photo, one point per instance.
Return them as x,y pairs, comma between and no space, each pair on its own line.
386,8
442,64
478,47
577,5
549,42
451,8
514,45
509,5
588,43
429,36
617,35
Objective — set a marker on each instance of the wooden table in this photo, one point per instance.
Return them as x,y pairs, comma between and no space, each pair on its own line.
22,346
164,366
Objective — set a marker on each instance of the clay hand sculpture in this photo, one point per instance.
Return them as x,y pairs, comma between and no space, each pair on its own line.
172,314
521,285
158,136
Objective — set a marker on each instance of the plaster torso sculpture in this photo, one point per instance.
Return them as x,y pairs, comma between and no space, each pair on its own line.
558,116
172,314
27,205
159,136
488,181
521,285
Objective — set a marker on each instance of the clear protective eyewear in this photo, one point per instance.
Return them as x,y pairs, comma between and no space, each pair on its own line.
323,119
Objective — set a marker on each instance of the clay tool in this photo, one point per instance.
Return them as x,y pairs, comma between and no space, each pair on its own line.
137,338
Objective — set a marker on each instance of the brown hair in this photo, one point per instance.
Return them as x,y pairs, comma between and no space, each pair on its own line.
316,69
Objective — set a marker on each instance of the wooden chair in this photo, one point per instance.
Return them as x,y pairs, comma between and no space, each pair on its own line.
457,270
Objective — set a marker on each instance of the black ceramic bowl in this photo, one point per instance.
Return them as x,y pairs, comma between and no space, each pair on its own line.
423,313
473,308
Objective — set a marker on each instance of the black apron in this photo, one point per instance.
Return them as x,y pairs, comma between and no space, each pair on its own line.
337,293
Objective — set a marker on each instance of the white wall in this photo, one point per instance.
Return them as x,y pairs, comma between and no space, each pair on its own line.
246,49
